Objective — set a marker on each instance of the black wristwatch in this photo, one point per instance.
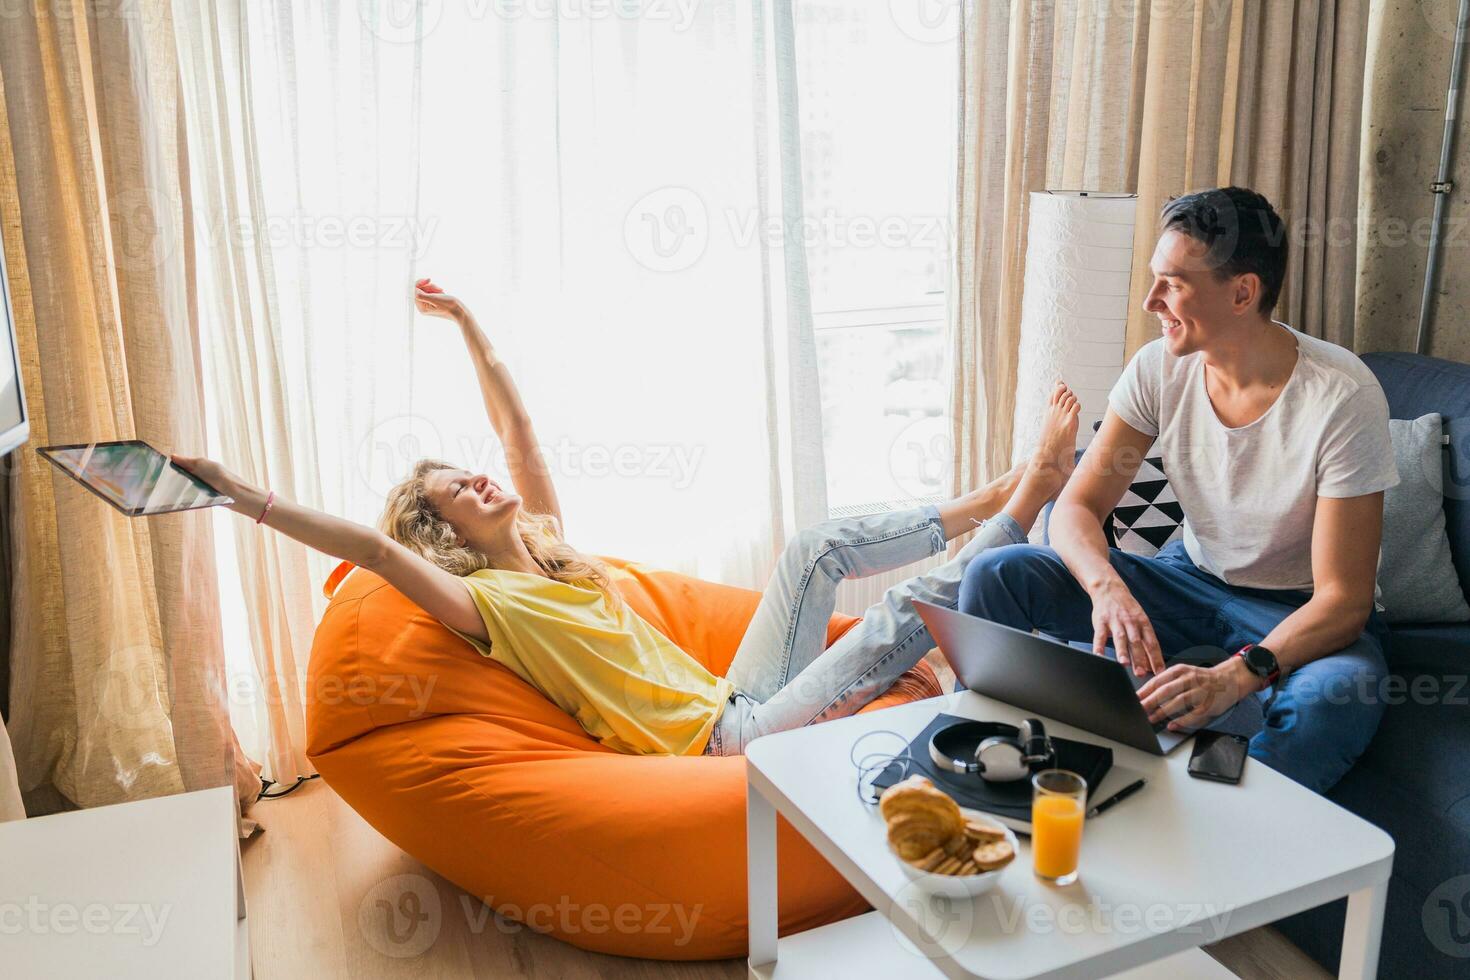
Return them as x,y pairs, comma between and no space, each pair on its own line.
1261,662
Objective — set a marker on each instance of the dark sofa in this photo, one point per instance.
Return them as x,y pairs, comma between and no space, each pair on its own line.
1414,780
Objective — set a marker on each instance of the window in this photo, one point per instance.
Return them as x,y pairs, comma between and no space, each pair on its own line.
878,110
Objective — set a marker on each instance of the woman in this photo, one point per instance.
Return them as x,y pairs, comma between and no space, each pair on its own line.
493,566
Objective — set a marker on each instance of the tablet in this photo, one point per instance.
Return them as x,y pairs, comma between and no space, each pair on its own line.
133,477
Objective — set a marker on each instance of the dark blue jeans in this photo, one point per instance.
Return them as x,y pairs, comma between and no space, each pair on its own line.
1324,713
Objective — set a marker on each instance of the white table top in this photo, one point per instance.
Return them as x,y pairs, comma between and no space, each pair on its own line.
148,889
1180,864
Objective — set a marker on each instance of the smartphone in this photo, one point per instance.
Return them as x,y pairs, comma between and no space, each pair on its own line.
1218,756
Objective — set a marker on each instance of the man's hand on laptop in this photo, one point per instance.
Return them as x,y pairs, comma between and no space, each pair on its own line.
1118,617
1193,695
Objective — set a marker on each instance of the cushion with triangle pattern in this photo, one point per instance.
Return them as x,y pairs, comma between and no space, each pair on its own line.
1149,516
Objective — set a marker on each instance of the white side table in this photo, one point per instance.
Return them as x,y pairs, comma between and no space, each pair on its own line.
148,890
1182,864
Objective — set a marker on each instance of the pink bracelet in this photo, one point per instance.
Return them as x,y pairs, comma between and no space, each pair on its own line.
269,500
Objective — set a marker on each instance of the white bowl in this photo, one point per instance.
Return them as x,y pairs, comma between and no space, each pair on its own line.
962,886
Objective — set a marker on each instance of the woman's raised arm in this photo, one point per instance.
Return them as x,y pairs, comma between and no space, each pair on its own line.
528,470
443,595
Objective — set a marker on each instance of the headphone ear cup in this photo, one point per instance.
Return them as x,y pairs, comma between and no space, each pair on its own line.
1036,744
942,761
1001,760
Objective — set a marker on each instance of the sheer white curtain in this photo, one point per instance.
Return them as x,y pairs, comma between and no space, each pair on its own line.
302,127
601,191
609,192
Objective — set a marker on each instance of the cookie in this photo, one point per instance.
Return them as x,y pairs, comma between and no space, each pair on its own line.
996,854
948,866
931,860
982,833
958,846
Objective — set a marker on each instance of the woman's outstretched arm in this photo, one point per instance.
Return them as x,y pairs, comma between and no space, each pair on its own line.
440,593
508,415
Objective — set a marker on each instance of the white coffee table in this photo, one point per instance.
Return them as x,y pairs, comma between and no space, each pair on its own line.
1181,864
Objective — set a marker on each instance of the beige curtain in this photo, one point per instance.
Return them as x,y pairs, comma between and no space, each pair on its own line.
1277,105
1156,99
116,674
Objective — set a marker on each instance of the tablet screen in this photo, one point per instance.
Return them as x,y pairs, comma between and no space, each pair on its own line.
133,476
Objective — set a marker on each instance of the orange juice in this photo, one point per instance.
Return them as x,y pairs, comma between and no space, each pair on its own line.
1056,835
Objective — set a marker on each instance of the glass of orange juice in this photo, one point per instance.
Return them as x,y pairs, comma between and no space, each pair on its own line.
1058,803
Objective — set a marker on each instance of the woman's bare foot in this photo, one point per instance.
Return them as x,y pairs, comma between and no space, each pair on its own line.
1056,454
1054,460
1026,488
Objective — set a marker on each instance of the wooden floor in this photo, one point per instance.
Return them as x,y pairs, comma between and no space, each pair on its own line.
324,897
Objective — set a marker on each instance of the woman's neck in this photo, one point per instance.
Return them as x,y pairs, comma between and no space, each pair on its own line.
513,556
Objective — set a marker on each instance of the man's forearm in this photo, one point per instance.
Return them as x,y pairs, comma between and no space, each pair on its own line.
1325,624
1077,537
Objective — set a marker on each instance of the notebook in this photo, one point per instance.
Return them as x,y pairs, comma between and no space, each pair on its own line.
1008,802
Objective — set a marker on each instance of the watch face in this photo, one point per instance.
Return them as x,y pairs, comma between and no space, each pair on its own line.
1261,661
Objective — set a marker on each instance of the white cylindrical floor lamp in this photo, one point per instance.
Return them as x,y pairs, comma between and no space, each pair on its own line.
11,807
1074,310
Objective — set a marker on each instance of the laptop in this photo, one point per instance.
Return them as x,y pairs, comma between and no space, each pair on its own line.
1049,677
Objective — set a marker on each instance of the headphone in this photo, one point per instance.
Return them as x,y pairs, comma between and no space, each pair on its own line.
997,753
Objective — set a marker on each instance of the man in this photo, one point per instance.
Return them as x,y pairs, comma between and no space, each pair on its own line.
1277,447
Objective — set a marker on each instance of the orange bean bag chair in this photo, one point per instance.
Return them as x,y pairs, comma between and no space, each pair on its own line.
472,771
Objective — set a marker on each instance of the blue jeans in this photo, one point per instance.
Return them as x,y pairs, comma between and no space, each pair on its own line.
1323,714
784,673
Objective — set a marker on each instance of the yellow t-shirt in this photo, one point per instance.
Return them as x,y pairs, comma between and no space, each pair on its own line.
624,681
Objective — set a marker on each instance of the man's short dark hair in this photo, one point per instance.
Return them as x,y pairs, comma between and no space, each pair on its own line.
1241,230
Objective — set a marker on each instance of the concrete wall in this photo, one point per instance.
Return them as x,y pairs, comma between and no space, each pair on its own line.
1410,44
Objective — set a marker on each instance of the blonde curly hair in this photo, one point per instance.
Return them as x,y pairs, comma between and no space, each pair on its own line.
411,519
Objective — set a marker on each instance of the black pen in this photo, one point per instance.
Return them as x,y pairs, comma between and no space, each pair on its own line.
1117,797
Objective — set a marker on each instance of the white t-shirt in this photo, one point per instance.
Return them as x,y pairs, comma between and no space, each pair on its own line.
1249,495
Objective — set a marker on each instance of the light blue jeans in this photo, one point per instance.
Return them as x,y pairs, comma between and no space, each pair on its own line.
784,673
